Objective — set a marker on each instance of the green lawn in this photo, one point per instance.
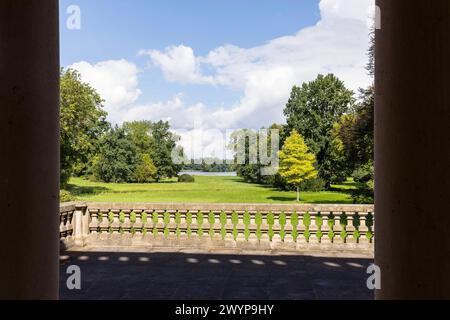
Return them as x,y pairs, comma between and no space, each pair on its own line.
204,189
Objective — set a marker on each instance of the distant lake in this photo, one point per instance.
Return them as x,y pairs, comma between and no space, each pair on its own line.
210,174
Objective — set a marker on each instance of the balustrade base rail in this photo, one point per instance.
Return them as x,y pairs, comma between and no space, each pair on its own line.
217,226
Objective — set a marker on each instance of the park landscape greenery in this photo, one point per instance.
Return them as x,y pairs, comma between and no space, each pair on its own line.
326,151
210,189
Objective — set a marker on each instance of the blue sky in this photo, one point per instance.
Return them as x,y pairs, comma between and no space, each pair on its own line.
117,29
212,64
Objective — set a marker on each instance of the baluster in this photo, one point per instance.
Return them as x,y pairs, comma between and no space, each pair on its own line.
67,224
160,225
115,227
194,226
208,227
62,225
125,228
104,224
313,229
205,239
325,229
172,225
148,226
363,229
183,226
93,225
69,228
264,240
288,237
240,227
350,228
217,226
229,227
126,225
70,223
339,228
137,226
301,229
276,228
252,228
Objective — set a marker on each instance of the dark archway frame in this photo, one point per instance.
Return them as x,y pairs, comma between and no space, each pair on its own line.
412,148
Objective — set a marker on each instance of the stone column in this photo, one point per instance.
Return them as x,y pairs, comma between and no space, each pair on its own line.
79,224
412,119
29,149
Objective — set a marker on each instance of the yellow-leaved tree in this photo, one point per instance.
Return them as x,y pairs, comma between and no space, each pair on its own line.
296,162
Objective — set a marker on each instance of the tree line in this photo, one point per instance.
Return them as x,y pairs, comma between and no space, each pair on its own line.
336,128
208,165
328,137
138,151
327,127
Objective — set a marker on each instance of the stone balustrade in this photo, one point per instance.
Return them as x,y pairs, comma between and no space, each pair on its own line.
66,211
212,226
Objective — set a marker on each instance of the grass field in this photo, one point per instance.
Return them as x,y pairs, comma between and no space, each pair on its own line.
204,189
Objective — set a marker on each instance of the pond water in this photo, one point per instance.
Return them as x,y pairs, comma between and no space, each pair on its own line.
210,174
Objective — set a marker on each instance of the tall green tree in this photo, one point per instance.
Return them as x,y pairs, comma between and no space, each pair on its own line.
355,131
82,121
252,172
312,110
296,162
118,157
140,133
354,135
164,142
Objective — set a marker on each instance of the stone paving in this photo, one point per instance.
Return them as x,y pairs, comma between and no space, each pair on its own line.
194,276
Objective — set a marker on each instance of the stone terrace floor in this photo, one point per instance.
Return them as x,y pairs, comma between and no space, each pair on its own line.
194,276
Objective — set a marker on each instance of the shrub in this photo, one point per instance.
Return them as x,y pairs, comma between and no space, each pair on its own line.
66,196
365,194
364,173
93,178
186,178
315,184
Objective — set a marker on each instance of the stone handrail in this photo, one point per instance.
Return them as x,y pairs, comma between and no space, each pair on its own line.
209,226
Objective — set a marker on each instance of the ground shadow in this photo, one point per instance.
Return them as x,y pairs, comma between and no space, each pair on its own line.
341,190
82,190
177,276
164,182
283,199
293,200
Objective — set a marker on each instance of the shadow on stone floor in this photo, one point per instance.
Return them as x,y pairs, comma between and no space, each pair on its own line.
106,275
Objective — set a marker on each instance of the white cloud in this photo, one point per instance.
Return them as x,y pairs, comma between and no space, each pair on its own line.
115,80
346,9
264,74
174,110
178,64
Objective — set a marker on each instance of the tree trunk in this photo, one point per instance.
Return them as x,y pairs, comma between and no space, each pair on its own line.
298,194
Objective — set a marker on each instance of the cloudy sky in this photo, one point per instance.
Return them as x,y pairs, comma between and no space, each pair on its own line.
210,66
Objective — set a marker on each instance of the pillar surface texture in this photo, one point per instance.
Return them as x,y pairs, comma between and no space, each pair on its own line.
412,133
29,149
